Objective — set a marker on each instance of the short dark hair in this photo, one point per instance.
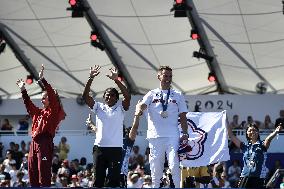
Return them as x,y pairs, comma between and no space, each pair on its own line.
165,68
254,126
111,89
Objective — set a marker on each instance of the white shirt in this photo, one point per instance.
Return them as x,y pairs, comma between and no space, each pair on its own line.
109,123
7,163
157,125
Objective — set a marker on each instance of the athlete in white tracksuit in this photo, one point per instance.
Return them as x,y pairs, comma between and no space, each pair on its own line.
164,107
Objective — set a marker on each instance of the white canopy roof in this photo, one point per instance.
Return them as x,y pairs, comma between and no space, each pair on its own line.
245,38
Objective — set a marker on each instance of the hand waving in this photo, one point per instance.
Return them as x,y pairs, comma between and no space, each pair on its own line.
21,84
114,74
94,71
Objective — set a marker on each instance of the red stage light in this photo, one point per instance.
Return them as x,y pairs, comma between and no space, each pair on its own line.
120,77
179,1
211,77
95,41
94,37
29,79
72,2
194,35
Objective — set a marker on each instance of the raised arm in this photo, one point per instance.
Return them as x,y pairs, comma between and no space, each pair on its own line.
135,124
269,138
235,139
52,96
31,108
126,96
94,71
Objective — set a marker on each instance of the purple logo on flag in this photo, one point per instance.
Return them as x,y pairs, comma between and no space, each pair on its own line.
194,147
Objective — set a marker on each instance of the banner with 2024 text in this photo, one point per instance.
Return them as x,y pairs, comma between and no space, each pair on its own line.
208,139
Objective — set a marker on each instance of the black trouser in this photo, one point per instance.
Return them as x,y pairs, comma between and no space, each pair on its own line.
123,180
107,158
251,182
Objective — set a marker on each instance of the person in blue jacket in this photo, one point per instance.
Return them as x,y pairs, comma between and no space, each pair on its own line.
254,156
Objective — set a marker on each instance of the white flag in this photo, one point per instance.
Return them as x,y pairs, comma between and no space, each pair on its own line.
208,139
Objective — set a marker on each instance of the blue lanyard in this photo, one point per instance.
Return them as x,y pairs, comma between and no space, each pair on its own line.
165,103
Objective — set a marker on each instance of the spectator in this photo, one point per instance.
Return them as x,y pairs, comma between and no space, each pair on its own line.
13,173
23,125
234,172
280,119
23,147
87,181
74,182
147,182
74,167
249,121
128,142
56,151
192,176
146,162
6,126
64,171
225,178
267,124
136,158
83,163
167,179
20,182
235,122
8,161
217,181
24,164
54,181
64,149
64,181
26,178
5,178
134,180
55,164
18,156
12,148
80,177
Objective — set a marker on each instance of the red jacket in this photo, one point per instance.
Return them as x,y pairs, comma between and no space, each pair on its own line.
46,120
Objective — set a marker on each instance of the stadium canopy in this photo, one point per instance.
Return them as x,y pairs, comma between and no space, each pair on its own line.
245,39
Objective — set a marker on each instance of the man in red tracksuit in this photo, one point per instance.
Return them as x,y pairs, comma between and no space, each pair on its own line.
44,124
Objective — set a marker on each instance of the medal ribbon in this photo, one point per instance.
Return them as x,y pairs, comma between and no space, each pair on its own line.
165,103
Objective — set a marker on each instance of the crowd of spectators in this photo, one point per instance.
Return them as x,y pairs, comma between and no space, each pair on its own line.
65,173
79,173
22,126
266,125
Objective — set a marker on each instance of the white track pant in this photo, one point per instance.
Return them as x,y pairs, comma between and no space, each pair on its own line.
158,148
